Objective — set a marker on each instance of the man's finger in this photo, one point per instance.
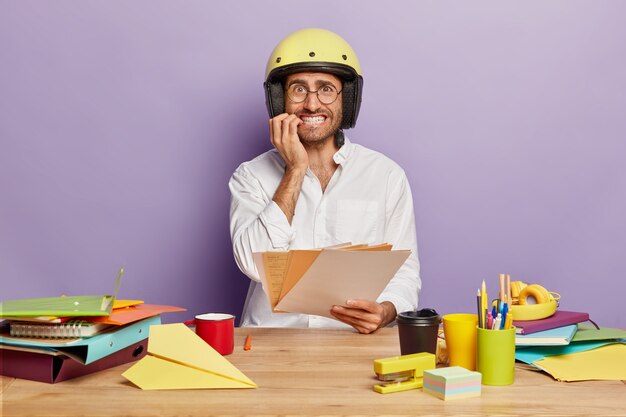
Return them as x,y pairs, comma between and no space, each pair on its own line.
285,126
359,325
367,305
293,126
275,127
356,318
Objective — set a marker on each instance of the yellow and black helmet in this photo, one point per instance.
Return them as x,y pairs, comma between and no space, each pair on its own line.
316,50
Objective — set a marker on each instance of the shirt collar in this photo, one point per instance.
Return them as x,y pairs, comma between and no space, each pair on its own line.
344,152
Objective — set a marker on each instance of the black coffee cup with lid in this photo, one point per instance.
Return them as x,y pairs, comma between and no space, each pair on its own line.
418,331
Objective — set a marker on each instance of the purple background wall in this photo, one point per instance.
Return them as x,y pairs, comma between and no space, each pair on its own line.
121,122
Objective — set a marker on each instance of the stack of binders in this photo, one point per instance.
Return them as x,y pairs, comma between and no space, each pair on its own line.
56,339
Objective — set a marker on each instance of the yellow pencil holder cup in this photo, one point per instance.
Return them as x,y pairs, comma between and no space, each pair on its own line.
460,334
496,356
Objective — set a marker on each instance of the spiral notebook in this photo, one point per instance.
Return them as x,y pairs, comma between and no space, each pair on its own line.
70,329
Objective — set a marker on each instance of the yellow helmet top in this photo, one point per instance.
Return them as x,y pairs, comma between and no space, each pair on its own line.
311,48
314,50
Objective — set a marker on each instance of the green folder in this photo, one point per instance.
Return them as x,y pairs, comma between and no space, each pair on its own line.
587,332
64,306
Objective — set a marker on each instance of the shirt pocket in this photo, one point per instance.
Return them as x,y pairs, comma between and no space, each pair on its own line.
357,221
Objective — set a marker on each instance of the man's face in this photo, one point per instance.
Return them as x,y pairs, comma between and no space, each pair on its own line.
320,121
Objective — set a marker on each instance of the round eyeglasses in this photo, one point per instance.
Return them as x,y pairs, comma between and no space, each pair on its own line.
326,94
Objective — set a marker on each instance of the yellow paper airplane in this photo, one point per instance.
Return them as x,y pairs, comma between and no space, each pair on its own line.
178,359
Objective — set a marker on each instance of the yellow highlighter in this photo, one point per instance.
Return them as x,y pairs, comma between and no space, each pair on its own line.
401,373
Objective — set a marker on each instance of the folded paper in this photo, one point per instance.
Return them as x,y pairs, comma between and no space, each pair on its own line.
178,359
603,363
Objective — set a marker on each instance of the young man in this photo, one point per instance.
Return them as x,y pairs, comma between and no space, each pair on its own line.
316,188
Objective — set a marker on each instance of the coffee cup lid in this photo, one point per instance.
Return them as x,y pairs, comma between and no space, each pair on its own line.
424,317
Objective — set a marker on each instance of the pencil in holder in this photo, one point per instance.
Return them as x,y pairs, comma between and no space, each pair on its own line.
496,356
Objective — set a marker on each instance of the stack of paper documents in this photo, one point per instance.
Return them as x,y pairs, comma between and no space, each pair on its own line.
312,281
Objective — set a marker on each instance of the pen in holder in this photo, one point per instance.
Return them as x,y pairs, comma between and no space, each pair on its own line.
496,356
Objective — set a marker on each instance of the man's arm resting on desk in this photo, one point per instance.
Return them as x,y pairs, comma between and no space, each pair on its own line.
365,316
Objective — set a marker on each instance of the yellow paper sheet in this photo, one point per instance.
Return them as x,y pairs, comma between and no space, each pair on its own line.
178,359
125,303
604,363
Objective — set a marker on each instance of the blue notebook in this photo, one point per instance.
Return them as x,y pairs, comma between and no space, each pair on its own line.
558,336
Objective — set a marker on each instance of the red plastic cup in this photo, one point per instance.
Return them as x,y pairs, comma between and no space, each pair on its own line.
217,329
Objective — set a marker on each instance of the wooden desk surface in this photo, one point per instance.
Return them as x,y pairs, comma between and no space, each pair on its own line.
308,372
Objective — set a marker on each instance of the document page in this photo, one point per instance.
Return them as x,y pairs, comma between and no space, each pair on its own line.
300,262
338,275
274,266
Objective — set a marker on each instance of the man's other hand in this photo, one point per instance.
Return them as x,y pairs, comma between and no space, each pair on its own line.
364,315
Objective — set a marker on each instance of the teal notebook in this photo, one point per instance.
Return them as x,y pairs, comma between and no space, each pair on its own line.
64,306
536,353
554,337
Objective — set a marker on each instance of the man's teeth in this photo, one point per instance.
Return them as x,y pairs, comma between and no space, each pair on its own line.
313,120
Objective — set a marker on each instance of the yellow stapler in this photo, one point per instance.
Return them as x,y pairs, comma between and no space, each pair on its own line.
401,373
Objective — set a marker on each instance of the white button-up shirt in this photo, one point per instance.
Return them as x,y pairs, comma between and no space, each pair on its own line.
368,200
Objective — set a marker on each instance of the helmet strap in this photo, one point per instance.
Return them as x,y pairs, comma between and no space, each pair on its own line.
340,139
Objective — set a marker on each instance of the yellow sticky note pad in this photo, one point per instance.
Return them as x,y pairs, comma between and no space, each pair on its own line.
178,359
